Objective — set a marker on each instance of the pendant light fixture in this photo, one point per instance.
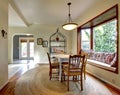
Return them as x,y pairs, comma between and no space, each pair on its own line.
70,25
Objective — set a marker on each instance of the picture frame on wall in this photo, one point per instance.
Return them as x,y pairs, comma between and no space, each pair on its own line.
45,43
39,41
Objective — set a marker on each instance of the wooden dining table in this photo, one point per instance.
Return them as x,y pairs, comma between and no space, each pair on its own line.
61,58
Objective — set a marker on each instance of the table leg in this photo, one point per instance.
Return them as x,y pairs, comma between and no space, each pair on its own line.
60,71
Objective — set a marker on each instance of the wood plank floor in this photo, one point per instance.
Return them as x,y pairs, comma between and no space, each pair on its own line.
9,88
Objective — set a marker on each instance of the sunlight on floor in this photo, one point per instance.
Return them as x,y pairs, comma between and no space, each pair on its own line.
18,65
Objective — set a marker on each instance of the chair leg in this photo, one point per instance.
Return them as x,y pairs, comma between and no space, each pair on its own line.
50,73
68,82
62,77
81,83
75,78
84,74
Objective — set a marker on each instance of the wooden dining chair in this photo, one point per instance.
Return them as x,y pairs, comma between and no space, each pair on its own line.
74,69
63,75
85,61
53,67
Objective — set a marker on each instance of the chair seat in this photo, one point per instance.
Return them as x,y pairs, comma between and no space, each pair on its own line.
71,72
64,63
54,65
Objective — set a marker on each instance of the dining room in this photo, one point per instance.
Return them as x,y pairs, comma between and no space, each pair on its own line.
97,33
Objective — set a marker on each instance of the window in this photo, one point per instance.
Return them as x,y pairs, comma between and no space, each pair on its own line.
99,37
104,39
85,39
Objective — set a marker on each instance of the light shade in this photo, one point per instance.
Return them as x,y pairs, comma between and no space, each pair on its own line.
69,26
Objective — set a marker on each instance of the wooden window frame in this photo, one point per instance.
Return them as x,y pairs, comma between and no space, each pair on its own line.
91,26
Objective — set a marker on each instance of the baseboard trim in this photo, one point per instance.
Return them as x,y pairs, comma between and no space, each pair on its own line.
108,84
4,85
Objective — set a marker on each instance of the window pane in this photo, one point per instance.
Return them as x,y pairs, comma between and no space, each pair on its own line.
105,37
24,49
31,49
85,40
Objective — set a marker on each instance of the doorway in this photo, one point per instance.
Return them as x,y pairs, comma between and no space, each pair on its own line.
26,46
23,54
23,48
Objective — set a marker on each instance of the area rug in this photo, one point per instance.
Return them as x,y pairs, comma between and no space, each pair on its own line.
36,82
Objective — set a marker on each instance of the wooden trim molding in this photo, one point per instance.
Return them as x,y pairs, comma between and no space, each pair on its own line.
78,40
3,85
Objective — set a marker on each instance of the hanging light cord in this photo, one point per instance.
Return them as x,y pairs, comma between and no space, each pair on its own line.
69,15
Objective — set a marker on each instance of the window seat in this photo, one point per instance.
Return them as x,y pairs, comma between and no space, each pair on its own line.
102,60
101,65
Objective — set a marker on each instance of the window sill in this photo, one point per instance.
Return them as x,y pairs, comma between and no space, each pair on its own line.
101,65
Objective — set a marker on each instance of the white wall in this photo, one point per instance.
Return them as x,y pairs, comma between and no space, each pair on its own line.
39,31
3,43
88,15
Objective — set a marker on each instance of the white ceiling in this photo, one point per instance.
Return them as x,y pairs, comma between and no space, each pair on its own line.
51,12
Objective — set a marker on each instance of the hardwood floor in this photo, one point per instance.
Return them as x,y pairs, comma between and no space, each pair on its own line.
9,88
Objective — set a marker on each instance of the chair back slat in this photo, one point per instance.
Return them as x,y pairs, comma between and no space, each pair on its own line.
76,61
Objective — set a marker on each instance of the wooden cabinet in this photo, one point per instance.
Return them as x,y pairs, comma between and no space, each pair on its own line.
57,43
